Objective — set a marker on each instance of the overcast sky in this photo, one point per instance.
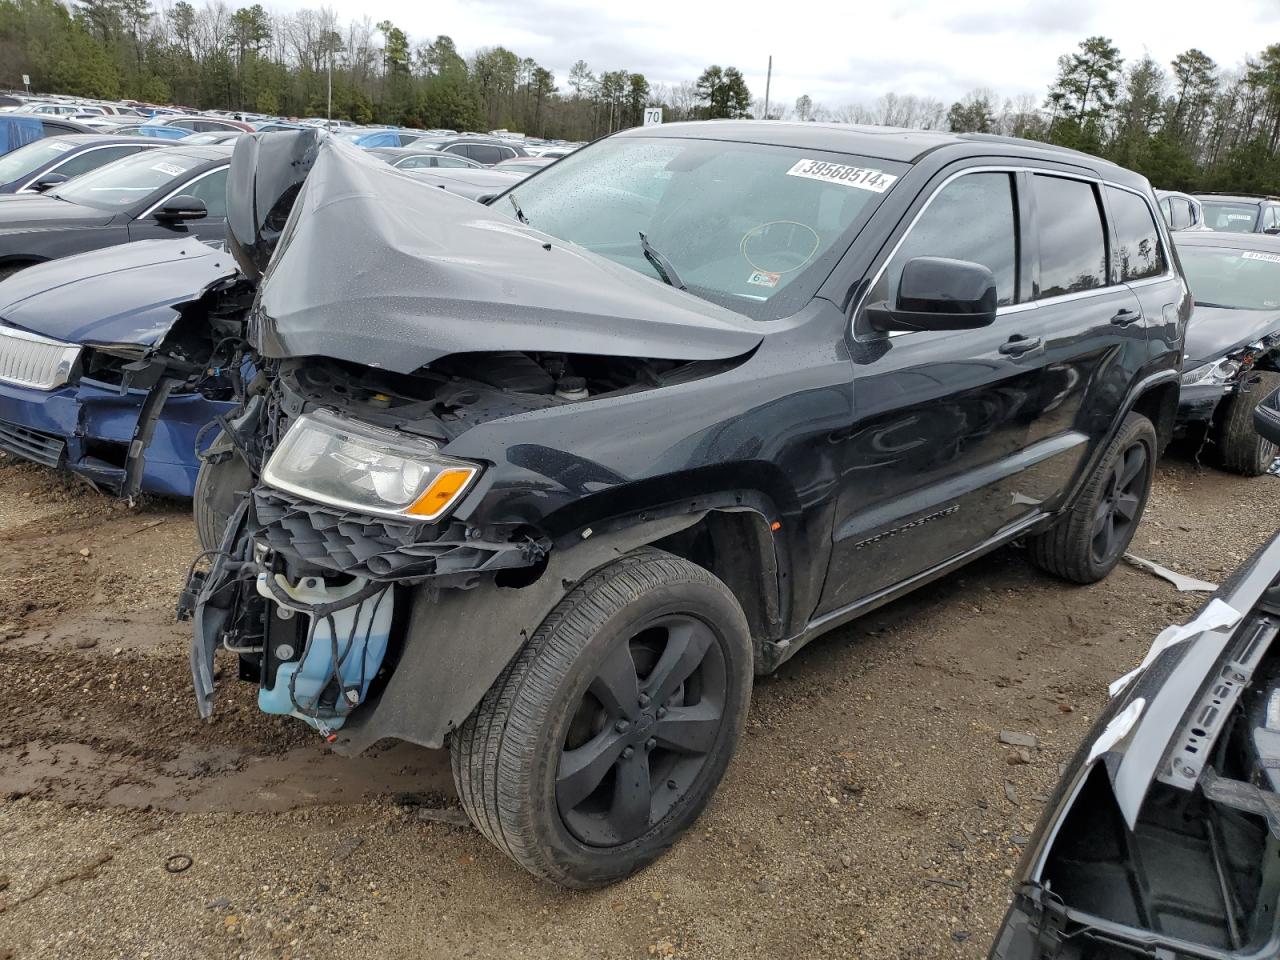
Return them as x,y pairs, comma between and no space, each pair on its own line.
836,52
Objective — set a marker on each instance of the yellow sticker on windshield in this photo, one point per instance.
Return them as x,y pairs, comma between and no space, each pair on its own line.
864,178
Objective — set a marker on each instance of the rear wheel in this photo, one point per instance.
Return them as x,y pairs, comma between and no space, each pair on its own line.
1244,450
607,735
1088,540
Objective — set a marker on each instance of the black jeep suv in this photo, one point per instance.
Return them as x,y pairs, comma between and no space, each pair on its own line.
548,481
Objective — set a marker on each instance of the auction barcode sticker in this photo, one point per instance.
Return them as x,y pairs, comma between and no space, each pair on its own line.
1255,255
864,178
172,169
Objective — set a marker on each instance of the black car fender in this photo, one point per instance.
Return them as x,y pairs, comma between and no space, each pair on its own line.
457,642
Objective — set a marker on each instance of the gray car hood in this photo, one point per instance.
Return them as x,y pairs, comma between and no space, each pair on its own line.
1216,331
375,267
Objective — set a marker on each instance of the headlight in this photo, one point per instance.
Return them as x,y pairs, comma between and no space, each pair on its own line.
1218,372
366,469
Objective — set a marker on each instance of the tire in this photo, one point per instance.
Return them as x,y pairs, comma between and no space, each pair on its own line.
7,270
1071,549
1244,450
218,485
518,760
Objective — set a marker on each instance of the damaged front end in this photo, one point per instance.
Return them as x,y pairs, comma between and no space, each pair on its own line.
1163,838
416,356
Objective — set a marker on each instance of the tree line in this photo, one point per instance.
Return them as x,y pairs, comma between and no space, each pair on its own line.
216,57
1187,124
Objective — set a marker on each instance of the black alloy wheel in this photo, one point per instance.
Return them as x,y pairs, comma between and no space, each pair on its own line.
1091,534
1119,508
606,736
643,731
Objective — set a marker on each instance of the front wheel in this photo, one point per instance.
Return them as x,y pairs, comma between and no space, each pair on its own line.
605,738
1088,540
1244,450
219,485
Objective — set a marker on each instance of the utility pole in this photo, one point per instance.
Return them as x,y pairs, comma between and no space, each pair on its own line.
328,110
767,78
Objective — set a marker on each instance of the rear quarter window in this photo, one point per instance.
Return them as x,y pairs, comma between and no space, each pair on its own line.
1138,248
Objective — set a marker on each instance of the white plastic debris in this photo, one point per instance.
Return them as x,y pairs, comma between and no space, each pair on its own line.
1115,731
1184,583
1216,616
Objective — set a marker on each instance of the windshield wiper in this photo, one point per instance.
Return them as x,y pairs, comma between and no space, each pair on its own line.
660,263
516,203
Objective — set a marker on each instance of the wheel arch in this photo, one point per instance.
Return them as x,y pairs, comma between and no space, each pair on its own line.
457,642
1158,402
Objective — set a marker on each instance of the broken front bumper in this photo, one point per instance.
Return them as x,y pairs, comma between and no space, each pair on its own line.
1198,403
87,428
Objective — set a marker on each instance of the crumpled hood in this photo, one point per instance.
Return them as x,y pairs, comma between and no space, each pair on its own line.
124,294
1214,332
267,170
376,267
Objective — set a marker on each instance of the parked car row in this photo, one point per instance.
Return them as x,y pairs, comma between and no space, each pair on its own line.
646,423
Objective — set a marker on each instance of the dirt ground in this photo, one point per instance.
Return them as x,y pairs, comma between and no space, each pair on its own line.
871,811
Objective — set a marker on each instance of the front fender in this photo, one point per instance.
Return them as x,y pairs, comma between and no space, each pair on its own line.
457,642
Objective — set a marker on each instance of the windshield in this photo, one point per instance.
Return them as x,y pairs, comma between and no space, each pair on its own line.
1230,217
1240,279
18,163
750,226
128,180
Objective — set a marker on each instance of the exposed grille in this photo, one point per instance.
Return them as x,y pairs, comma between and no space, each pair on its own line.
30,360
378,548
31,444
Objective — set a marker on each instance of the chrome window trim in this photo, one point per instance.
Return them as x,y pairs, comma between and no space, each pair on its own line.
1026,305
177,192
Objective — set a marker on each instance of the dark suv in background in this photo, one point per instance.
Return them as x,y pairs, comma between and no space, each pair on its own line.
548,482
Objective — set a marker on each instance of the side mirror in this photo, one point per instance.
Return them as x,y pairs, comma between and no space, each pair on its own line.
182,207
1272,230
48,181
935,293
1266,417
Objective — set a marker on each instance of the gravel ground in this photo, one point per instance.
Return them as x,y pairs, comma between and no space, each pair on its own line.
871,811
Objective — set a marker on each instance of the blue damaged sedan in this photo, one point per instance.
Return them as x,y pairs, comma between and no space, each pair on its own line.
116,364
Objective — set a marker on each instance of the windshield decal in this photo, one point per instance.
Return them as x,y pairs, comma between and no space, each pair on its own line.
60,147
1241,216
1256,255
864,178
763,278
171,169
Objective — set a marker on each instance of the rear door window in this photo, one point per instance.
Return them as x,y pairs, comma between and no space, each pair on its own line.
1073,246
486,154
92,159
972,218
1138,246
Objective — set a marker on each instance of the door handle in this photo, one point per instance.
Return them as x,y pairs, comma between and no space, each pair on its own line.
1126,317
1018,345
